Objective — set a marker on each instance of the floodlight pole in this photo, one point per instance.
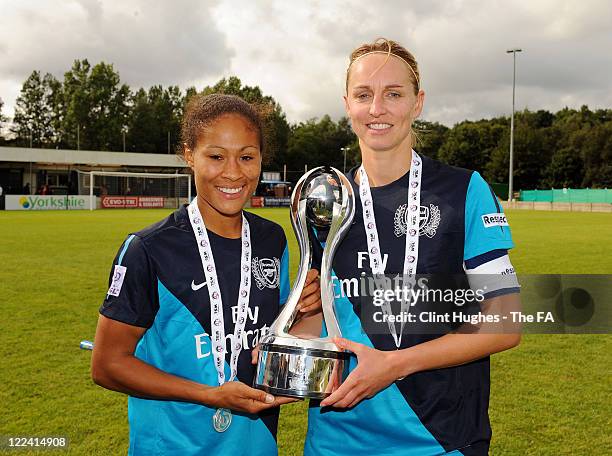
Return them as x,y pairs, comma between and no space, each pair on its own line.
511,169
344,149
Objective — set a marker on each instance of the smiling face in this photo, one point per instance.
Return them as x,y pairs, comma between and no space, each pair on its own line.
226,162
381,102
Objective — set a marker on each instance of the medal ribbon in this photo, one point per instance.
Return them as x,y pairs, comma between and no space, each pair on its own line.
411,254
214,292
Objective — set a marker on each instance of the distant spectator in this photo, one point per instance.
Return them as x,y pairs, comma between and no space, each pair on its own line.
44,190
26,189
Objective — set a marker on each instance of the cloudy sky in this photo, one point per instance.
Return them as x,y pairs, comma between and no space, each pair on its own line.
297,51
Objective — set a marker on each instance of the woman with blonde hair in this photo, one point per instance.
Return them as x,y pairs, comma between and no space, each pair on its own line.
412,390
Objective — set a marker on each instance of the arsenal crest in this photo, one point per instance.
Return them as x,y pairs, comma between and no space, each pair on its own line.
266,272
428,223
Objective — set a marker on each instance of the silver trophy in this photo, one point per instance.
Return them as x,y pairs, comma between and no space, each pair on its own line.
289,365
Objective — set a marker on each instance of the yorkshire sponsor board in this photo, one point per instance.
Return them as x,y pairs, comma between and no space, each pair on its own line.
46,202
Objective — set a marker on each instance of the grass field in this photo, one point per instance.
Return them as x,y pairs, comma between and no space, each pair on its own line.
552,395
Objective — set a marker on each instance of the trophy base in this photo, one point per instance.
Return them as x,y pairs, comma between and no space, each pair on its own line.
300,372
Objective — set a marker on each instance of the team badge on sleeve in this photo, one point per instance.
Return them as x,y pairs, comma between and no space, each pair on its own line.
266,272
117,283
429,220
496,219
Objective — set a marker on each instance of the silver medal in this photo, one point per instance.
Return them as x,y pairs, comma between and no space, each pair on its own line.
222,419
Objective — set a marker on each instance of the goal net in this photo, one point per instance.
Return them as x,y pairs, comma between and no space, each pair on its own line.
108,190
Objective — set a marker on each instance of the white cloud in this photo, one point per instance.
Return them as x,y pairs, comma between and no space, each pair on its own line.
297,51
148,42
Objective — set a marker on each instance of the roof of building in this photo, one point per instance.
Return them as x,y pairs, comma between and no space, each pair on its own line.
90,157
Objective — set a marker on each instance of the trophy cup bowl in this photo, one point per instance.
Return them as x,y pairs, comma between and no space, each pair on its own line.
289,365
321,194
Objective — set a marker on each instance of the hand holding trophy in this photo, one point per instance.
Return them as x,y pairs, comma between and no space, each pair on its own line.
289,365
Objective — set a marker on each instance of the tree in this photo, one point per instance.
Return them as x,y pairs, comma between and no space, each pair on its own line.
2,117
564,170
190,92
572,147
320,142
154,116
593,149
36,111
430,137
534,142
96,105
142,127
470,144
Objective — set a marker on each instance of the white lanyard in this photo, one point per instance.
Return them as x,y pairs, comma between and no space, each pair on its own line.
411,254
214,292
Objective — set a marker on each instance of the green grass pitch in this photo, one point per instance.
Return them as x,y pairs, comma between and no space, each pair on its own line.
552,395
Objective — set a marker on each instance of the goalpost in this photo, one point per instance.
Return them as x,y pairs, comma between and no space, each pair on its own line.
120,189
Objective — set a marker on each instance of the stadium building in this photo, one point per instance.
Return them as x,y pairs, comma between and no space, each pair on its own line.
39,179
34,179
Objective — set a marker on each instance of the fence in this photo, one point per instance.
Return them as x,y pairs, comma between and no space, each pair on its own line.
568,195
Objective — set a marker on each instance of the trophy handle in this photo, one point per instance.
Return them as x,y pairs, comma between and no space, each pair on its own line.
285,319
341,222
342,216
